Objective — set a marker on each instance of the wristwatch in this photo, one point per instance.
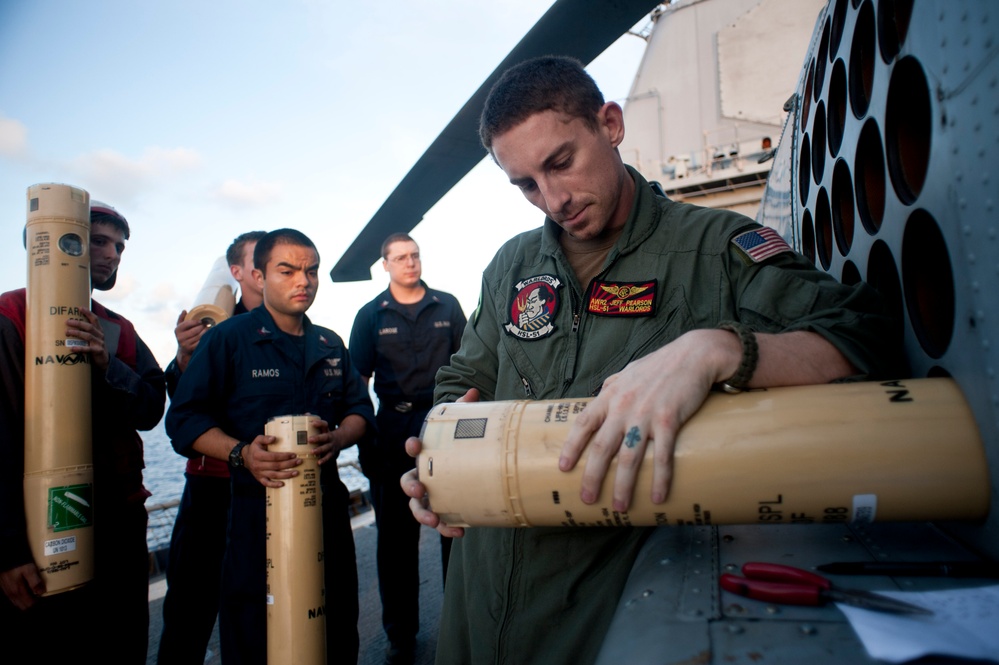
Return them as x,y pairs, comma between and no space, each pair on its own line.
236,455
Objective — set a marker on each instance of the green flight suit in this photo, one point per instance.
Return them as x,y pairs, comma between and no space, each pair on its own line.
547,595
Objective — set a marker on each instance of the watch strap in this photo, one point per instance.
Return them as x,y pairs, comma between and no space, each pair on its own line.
750,357
236,454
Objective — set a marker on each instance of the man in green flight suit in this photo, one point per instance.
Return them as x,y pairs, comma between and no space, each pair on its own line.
646,303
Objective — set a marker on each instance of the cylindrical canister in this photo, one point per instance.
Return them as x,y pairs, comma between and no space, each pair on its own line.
850,452
58,457
296,591
216,300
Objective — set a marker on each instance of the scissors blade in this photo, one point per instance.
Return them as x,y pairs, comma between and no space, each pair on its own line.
873,601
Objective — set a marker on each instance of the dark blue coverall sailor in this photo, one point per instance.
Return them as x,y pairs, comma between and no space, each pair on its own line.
244,372
403,346
197,548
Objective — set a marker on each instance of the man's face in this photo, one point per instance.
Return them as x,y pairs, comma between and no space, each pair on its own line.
243,272
291,279
534,303
106,245
402,263
570,172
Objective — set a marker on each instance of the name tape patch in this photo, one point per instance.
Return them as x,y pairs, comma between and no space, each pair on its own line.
623,298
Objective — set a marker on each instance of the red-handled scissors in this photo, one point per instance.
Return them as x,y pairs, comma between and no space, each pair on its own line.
793,586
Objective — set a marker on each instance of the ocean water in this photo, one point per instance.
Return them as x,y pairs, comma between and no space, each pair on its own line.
164,477
164,473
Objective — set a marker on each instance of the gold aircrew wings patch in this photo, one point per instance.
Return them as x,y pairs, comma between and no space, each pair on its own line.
622,298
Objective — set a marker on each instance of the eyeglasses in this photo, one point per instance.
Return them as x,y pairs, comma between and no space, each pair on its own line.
404,258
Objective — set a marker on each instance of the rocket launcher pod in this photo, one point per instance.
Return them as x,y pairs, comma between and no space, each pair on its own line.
850,452
58,457
296,590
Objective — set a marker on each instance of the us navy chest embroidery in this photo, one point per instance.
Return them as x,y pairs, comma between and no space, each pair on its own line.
622,298
533,308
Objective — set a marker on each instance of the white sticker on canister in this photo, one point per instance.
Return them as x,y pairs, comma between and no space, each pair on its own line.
270,599
865,508
60,545
72,341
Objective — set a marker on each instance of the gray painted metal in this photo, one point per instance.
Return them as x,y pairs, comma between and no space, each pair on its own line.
672,610
916,83
950,46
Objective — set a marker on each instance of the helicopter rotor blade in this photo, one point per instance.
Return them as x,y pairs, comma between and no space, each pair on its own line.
579,28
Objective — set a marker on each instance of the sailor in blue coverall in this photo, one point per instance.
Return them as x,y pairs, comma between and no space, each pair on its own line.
245,371
402,337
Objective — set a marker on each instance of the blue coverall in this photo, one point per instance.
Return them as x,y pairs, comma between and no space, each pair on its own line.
244,372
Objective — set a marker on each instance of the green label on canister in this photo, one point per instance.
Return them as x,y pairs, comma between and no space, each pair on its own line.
71,507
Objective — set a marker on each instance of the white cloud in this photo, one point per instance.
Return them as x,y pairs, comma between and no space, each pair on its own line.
110,171
13,138
253,194
124,286
166,161
114,176
164,291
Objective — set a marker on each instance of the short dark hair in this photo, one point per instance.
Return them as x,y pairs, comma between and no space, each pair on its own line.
395,237
102,213
546,83
234,255
262,252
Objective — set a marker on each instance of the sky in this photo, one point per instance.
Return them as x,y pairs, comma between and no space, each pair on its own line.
200,120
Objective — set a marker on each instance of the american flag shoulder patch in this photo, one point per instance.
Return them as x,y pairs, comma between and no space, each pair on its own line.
761,244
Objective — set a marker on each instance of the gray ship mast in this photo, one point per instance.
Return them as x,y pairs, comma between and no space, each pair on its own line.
706,105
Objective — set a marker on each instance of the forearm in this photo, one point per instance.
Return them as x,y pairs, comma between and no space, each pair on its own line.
351,430
786,359
182,358
798,358
215,443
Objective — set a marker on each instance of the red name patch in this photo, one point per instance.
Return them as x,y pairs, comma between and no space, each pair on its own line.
622,298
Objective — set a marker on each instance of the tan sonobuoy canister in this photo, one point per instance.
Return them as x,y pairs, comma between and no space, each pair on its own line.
216,300
850,452
58,456
296,603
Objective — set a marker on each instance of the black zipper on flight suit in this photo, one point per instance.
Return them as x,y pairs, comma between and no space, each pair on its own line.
577,316
577,308
508,604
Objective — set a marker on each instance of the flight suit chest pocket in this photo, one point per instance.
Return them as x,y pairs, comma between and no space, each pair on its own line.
642,335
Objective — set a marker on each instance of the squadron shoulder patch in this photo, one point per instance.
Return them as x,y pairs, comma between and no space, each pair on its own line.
622,298
533,308
761,244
